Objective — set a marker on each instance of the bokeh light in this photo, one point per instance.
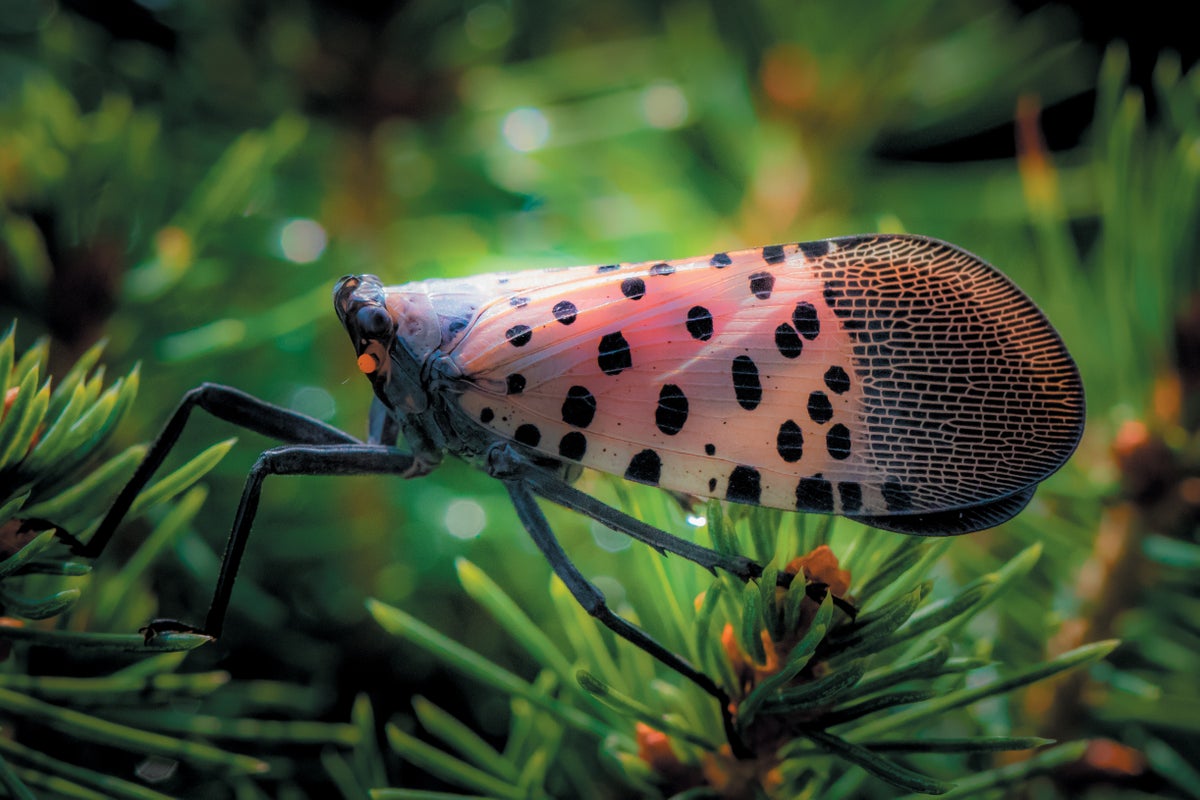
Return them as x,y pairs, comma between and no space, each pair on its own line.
664,106
526,129
313,401
609,540
465,518
302,240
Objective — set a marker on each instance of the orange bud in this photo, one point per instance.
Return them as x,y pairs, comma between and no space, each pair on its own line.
732,650
653,747
1114,757
821,566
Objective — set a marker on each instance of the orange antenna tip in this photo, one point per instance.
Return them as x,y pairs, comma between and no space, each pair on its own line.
368,363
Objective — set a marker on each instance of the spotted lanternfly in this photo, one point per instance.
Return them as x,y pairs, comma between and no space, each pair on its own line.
895,380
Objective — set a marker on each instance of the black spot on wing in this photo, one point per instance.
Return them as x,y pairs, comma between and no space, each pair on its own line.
790,442
700,323
720,260
515,383
819,408
745,485
579,408
565,312
837,441
814,494
788,342
837,380
614,355
773,253
850,493
804,317
672,411
662,268
645,467
746,385
633,288
572,445
762,284
518,335
528,435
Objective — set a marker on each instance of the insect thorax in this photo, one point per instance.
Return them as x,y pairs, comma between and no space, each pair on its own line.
423,381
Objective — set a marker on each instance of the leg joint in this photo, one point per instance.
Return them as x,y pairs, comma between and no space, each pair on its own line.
503,462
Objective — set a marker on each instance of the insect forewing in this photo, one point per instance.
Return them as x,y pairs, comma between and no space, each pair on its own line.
896,379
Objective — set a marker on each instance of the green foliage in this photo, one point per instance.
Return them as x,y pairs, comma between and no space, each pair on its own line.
1140,188
47,484
54,484
154,180
864,690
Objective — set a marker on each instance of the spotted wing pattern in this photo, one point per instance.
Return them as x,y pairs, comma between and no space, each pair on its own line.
895,379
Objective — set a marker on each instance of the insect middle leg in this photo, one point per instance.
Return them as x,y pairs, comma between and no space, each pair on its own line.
314,448
302,459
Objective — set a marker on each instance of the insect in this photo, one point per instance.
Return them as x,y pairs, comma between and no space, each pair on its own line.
896,380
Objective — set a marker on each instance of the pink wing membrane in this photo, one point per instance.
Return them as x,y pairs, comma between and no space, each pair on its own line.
874,376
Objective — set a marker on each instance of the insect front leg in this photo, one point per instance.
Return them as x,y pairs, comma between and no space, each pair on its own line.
226,403
592,600
313,448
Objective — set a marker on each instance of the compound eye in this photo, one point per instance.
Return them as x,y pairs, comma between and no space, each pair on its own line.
374,323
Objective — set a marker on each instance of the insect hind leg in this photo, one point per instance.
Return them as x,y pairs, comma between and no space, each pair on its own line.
592,600
504,463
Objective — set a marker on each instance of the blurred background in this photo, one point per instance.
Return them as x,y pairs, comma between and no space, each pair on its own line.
188,179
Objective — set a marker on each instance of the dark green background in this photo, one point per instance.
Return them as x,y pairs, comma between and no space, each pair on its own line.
152,154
